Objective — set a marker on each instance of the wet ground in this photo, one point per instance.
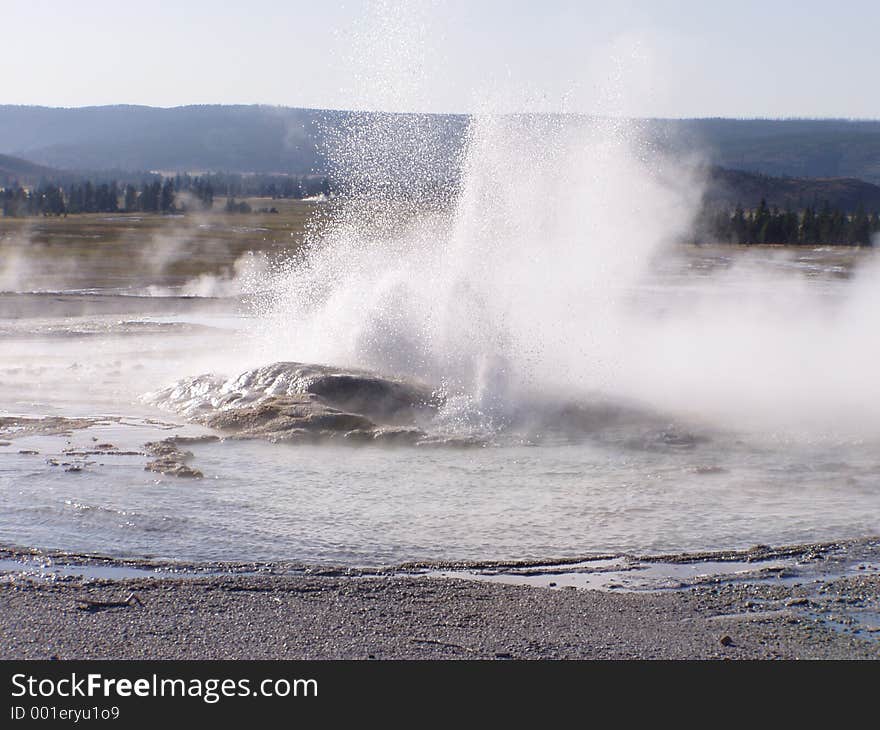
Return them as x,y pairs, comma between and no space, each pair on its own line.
817,601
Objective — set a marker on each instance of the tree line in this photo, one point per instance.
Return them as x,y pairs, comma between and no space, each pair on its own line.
825,225
260,185
808,227
156,195
90,197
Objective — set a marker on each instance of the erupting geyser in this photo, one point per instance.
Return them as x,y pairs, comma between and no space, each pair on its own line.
502,288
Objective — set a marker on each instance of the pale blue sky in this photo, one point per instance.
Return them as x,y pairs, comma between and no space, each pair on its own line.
659,58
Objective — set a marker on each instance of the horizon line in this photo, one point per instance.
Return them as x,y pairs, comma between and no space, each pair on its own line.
334,110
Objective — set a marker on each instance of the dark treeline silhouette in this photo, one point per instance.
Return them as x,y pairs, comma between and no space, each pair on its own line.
156,194
88,197
808,227
238,185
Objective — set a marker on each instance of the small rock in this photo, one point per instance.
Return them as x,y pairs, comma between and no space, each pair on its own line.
173,468
726,640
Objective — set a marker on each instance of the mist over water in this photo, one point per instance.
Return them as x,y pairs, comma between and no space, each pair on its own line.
757,348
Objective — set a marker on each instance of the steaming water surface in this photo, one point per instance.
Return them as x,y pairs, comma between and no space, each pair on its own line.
91,354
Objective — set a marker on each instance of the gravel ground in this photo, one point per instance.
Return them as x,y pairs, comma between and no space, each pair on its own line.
420,617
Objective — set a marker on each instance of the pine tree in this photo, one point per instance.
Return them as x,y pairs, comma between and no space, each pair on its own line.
130,202
808,231
166,203
739,227
860,228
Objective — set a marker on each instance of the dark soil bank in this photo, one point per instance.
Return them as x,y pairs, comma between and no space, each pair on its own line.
421,617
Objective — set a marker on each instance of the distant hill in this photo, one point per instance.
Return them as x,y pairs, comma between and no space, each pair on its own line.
786,162
14,169
728,188
190,138
289,140
234,138
785,147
